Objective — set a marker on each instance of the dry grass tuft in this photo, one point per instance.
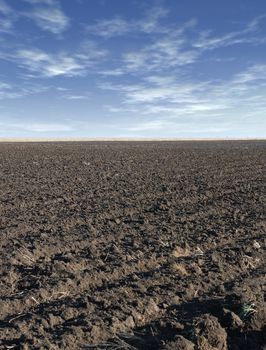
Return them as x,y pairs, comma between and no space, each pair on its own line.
179,252
180,269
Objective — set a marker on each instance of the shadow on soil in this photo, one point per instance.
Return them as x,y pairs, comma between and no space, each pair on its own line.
182,321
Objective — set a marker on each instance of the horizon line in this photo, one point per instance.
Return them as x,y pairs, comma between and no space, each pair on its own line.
136,139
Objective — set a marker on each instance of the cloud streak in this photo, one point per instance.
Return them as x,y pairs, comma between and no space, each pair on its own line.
170,46
48,16
6,17
167,103
50,19
118,26
47,65
35,127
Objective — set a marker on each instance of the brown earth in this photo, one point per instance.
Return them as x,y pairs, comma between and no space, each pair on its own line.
133,245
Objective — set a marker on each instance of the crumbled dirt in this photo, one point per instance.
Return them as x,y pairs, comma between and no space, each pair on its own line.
179,343
133,245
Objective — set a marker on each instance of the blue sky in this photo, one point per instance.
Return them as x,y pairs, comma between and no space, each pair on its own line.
132,68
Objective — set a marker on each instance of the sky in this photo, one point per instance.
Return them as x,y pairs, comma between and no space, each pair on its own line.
133,68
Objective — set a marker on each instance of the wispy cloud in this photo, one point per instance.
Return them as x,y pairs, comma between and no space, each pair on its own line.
207,41
165,47
172,46
5,90
51,19
35,127
168,103
76,97
4,86
119,26
6,17
254,73
49,65
41,2
110,27
13,91
162,54
8,91
44,64
48,15
181,127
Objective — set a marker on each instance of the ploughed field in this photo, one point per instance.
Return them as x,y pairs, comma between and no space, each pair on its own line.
132,245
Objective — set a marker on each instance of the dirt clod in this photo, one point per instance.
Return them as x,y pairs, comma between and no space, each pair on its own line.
180,343
209,334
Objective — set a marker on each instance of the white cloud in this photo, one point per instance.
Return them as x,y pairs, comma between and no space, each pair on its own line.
4,86
208,42
46,65
151,125
112,72
168,104
6,17
156,91
8,91
169,48
254,24
40,63
40,2
150,23
118,26
172,127
35,127
179,101
162,54
89,50
11,91
48,15
51,65
167,45
175,48
253,74
76,97
46,127
110,27
51,19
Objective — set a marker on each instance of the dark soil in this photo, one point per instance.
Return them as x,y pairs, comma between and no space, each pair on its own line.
133,245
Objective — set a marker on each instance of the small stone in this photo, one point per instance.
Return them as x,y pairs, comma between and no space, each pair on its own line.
53,320
152,308
129,322
175,300
256,245
67,314
59,266
201,262
198,251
